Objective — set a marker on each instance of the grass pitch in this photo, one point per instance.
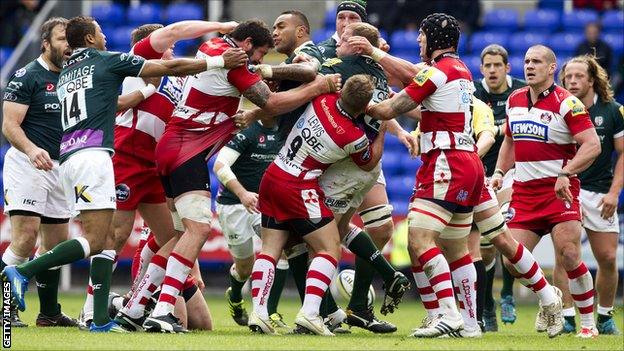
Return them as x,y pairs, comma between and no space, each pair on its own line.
228,336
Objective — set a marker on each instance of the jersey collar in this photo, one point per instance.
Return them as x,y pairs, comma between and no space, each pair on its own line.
507,78
43,63
541,95
230,41
343,111
446,54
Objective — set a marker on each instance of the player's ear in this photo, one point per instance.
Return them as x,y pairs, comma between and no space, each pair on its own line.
89,39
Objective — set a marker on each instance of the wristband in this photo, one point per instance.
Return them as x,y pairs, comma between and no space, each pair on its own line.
378,54
213,62
499,171
148,90
225,174
563,174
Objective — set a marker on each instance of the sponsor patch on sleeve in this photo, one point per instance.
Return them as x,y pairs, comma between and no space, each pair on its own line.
423,76
362,144
576,107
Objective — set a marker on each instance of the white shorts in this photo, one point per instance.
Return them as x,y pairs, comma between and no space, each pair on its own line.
89,180
345,185
239,227
29,189
591,214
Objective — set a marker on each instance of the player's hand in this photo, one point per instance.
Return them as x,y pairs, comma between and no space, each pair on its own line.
361,44
562,189
234,57
250,201
40,159
155,81
227,27
301,58
411,143
609,205
328,83
243,119
496,181
383,45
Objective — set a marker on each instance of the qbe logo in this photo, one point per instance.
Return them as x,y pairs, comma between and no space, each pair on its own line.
6,314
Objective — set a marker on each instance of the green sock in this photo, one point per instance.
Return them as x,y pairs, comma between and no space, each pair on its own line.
276,290
361,283
101,272
508,281
236,294
362,246
47,288
66,252
298,265
328,304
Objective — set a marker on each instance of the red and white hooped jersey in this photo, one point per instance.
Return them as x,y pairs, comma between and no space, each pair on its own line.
212,97
138,129
543,134
322,136
444,91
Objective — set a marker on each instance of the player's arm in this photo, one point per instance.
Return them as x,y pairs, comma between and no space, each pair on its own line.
368,158
300,72
163,38
396,68
485,140
231,58
13,116
391,108
275,104
134,98
405,137
223,169
585,155
610,201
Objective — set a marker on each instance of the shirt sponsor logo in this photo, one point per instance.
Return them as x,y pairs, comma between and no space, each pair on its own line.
122,192
171,88
80,139
576,107
423,76
14,86
82,57
335,203
530,130
20,72
53,106
50,87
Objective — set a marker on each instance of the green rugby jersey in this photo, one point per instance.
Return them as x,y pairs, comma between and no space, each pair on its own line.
608,118
349,66
286,121
88,88
497,103
258,146
328,47
35,85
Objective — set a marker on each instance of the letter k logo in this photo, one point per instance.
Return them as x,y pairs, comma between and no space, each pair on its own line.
80,193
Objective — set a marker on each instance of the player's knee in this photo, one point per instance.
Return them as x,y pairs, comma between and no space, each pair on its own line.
382,234
376,217
196,208
24,243
570,256
488,254
606,260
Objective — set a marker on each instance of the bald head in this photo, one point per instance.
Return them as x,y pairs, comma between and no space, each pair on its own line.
545,51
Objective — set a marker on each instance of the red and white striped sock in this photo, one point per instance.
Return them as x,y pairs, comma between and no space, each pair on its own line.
136,259
322,269
465,281
178,268
262,277
149,250
427,295
152,278
439,274
532,275
582,290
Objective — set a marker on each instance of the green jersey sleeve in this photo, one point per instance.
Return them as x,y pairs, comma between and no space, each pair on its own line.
21,87
123,64
240,141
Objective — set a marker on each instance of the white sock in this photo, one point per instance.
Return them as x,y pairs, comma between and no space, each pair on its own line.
605,311
262,277
322,269
10,258
532,275
427,295
178,268
465,281
152,279
437,270
569,312
582,290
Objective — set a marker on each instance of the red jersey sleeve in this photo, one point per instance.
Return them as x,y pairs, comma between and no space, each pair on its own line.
242,78
361,151
575,115
425,83
144,49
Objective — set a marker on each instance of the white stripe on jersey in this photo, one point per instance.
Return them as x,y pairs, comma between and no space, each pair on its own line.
526,171
150,124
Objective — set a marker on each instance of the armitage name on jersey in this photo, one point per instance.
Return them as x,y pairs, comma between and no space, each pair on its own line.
80,78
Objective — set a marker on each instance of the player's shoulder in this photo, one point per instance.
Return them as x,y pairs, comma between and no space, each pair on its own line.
32,69
518,96
329,42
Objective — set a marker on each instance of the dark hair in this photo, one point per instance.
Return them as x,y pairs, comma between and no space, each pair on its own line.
357,92
48,26
77,28
495,49
302,18
143,31
256,29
